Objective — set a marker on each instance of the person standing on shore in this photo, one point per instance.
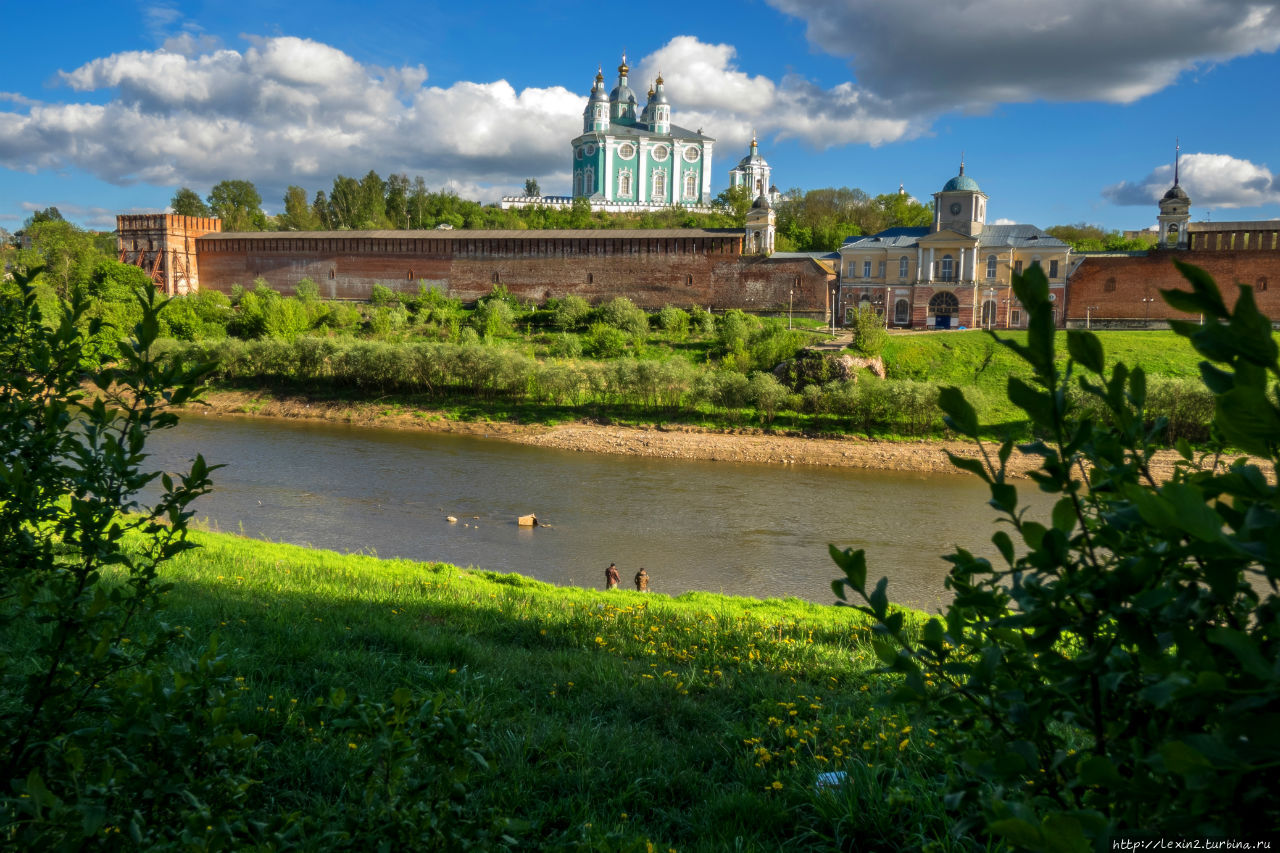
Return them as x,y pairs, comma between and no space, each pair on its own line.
642,580
611,576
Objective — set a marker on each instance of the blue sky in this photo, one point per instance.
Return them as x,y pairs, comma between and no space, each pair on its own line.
1064,111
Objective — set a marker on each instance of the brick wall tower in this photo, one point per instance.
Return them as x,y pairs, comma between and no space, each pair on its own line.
164,244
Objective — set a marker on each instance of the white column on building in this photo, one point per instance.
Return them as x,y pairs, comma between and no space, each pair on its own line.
919,263
706,172
607,183
642,191
930,278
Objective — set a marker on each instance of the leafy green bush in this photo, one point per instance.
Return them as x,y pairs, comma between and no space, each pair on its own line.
674,321
380,294
604,341
869,334
568,312
621,313
1117,672
307,290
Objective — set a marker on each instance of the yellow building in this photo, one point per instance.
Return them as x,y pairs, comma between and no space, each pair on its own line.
955,273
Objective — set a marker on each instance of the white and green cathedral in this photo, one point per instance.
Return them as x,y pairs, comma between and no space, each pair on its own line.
629,158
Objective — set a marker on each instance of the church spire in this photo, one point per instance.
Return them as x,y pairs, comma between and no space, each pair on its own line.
1177,156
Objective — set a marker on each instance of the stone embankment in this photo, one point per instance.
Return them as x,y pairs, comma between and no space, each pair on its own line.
747,445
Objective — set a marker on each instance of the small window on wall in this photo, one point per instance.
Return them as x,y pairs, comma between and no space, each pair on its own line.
1262,284
410,275
1017,267
880,270
1015,318
991,266
591,278
866,269
330,273
902,266
1053,269
1109,286
689,281
497,278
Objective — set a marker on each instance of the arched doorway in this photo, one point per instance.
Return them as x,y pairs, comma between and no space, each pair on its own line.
989,314
901,313
944,307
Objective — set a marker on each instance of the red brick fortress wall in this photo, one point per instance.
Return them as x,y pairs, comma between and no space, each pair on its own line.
652,268
1113,288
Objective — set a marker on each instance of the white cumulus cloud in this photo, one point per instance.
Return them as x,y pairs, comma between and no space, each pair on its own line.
924,56
1211,180
288,110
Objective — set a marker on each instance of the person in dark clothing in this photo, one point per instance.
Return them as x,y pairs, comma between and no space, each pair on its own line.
611,576
642,580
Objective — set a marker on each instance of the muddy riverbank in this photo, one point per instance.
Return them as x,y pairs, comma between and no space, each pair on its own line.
678,442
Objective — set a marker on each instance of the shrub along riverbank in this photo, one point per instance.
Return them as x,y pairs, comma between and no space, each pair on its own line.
606,719
481,380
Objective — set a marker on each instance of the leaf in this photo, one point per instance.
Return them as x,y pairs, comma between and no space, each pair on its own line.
1182,759
1037,404
1004,544
1064,515
1245,649
973,466
1248,419
854,565
1203,285
1085,348
1098,770
960,413
1019,833
1194,515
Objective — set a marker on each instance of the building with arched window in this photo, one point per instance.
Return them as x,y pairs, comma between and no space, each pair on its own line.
954,273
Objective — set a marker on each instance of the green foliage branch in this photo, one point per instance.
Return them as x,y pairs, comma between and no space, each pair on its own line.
113,735
1117,672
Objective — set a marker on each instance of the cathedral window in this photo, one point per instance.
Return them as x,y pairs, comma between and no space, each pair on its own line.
624,183
659,185
947,272
690,185
588,181
903,264
991,266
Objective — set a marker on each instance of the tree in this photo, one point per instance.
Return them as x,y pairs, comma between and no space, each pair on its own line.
49,214
186,202
238,205
397,203
1118,671
736,201
298,215
531,187
66,253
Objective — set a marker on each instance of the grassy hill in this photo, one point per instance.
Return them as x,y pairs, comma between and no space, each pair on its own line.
614,720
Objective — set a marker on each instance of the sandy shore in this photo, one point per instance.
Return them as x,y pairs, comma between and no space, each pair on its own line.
747,445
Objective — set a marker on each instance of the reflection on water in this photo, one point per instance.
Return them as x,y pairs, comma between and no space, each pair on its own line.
756,530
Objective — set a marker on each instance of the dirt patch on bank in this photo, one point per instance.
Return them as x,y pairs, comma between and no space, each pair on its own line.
680,442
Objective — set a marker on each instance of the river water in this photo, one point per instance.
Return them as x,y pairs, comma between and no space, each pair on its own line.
755,530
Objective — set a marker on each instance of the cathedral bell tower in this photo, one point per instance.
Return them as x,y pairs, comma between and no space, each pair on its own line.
1175,212
761,227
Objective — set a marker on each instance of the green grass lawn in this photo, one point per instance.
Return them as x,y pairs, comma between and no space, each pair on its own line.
615,719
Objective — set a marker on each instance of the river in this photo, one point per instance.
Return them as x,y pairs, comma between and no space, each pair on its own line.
755,530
